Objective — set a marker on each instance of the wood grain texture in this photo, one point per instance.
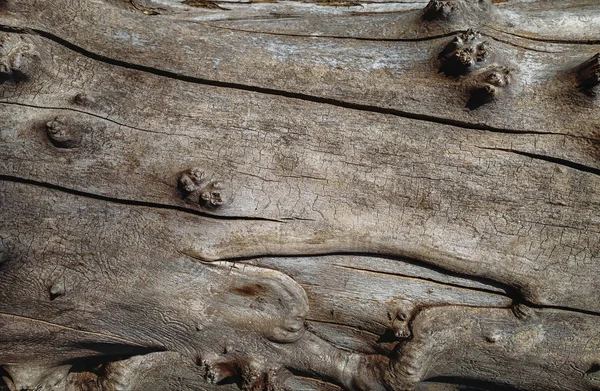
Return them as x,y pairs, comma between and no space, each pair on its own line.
324,176
299,195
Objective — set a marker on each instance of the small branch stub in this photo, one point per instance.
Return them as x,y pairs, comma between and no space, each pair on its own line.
464,53
211,195
14,54
588,76
436,10
194,184
190,181
56,290
82,99
489,87
64,132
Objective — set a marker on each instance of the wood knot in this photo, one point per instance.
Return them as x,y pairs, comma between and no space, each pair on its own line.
15,57
588,75
436,10
400,328
212,195
464,53
82,99
215,373
493,337
56,290
64,132
250,375
488,87
195,184
190,181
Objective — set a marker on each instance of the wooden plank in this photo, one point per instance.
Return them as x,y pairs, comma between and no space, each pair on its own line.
73,250
442,187
299,196
401,77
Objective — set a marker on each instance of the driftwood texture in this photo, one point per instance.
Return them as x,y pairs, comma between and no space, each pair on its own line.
291,195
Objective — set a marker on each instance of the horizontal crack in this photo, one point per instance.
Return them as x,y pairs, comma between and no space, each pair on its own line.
507,42
550,159
87,113
344,325
15,179
50,324
373,39
271,91
550,40
509,291
429,280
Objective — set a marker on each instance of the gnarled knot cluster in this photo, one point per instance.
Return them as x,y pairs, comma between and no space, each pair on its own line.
464,53
194,184
468,56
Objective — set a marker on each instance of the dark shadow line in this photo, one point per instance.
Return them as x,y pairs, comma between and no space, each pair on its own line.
15,179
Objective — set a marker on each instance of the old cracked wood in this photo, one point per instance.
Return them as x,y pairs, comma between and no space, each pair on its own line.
318,195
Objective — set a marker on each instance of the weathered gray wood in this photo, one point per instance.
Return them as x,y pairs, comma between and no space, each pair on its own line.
299,176
401,76
300,196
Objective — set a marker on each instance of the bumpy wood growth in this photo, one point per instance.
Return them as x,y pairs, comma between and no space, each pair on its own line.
285,195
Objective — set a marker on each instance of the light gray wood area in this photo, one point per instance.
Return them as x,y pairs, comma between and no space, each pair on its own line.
285,195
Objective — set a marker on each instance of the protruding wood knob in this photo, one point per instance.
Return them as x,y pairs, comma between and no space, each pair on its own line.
464,53
588,76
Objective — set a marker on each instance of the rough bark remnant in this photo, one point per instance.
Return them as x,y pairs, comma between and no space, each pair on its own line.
323,196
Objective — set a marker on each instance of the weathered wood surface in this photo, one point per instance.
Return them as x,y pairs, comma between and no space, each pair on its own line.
361,212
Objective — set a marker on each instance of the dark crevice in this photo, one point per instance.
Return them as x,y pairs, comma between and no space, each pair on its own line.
550,40
85,113
269,91
108,352
465,384
504,290
372,39
10,178
554,307
511,292
562,162
501,292
4,379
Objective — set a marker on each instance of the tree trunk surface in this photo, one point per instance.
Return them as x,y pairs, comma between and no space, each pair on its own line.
299,195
